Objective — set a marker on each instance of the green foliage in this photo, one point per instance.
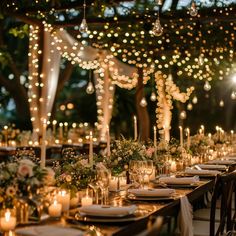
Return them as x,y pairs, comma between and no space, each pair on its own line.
20,31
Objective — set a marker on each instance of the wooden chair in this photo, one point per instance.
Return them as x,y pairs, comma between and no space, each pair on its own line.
224,221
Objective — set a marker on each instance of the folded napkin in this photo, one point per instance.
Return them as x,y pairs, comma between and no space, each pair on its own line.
223,162
154,192
100,210
48,230
212,167
201,172
182,180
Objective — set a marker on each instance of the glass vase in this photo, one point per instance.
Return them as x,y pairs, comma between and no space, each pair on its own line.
22,211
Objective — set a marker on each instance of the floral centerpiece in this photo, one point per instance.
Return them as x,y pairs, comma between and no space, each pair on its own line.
199,144
122,151
73,174
21,179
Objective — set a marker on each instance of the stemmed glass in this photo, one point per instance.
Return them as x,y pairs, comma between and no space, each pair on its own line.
149,169
103,177
133,171
95,187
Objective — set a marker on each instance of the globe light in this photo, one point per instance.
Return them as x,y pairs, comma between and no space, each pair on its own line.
190,106
157,29
233,95
195,100
153,97
183,115
83,28
221,103
143,102
207,86
90,88
193,11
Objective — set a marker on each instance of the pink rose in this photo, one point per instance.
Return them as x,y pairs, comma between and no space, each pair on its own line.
150,151
25,170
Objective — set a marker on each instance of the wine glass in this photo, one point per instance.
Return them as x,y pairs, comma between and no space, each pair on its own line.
95,187
149,169
103,177
133,171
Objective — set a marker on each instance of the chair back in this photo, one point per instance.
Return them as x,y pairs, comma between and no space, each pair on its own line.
223,190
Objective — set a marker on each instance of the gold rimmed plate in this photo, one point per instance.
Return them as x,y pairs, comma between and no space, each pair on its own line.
150,198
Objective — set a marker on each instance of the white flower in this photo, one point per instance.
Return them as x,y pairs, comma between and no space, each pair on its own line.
12,167
49,179
84,162
26,162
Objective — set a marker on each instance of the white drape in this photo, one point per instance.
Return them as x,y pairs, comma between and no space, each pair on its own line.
42,86
50,75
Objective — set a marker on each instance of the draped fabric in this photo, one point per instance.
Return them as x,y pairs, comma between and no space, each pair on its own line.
42,85
109,72
50,75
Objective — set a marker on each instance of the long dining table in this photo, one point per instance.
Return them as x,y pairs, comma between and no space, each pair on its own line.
135,224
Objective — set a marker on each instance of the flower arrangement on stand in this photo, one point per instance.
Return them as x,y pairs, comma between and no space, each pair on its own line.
73,174
122,152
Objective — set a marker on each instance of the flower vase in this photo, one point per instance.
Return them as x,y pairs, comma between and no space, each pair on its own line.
22,211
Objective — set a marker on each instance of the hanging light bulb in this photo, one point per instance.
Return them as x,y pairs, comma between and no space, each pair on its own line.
221,104
193,11
233,95
207,86
183,115
190,106
90,88
83,28
153,97
157,29
195,100
143,102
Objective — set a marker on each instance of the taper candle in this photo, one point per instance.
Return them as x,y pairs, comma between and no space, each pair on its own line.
108,142
181,136
91,148
135,128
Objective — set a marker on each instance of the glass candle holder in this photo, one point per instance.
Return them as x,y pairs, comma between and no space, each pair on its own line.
7,219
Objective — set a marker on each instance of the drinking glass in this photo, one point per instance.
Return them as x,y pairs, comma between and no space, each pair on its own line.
149,169
103,177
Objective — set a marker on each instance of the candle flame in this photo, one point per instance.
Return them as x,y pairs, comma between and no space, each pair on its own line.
7,215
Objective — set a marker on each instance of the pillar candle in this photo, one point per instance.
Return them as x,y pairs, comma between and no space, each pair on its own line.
232,135
135,128
108,142
43,144
64,199
87,200
91,148
181,136
54,210
7,222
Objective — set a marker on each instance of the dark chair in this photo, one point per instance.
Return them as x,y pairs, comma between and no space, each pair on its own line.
217,225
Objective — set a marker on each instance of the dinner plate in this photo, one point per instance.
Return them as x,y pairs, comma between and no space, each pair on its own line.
94,219
140,213
149,198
